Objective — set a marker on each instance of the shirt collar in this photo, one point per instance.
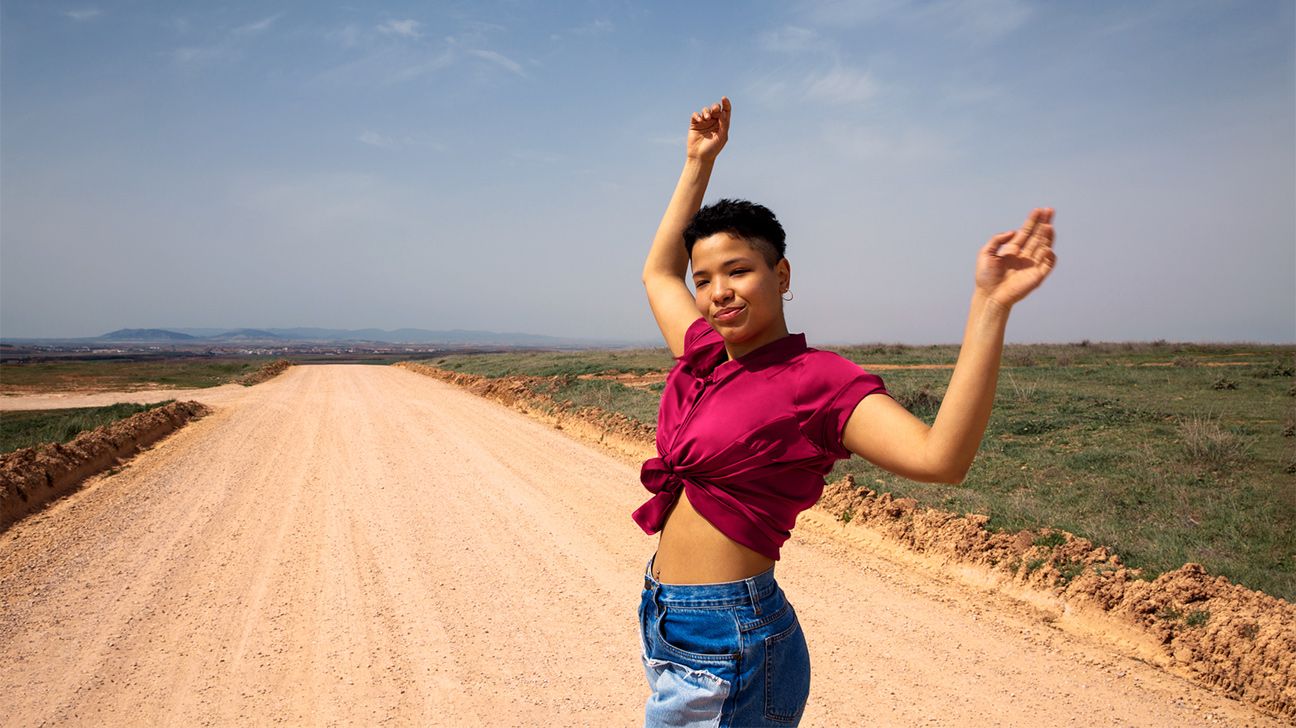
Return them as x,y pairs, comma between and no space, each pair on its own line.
712,358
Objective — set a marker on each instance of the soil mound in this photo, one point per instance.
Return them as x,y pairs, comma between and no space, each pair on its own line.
267,371
33,476
1240,641
611,429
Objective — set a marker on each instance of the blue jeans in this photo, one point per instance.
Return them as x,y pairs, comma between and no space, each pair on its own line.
726,654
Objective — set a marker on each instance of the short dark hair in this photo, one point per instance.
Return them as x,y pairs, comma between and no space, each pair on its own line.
740,218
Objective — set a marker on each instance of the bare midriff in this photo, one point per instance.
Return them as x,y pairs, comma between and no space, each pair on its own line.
692,551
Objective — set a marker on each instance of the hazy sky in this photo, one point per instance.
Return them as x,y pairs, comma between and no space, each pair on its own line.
504,166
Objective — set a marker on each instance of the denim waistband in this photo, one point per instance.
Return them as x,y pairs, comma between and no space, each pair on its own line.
748,591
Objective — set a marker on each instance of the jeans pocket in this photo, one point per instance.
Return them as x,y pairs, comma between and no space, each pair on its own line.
787,674
683,696
700,635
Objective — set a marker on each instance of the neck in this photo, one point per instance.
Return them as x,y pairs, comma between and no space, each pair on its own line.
775,332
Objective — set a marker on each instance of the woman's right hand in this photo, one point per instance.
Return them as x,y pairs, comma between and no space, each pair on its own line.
708,131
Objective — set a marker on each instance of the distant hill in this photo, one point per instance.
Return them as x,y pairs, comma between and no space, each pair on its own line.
145,335
248,335
424,336
452,338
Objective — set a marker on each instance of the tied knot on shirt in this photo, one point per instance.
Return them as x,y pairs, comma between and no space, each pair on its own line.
660,478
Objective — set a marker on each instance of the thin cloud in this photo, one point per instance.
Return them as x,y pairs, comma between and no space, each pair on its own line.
259,26
374,139
196,55
500,60
837,13
348,36
404,28
791,39
594,27
840,85
976,21
868,142
83,14
225,48
421,68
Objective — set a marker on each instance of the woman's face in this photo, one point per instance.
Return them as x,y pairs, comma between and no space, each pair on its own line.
736,290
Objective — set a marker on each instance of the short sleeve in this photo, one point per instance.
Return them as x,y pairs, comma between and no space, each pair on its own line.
695,332
701,344
828,391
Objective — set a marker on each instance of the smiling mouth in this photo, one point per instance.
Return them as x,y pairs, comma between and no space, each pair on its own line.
728,314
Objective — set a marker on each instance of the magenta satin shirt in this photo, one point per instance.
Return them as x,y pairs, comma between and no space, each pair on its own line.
750,439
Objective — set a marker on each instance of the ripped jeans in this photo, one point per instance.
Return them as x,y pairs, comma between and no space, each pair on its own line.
725,654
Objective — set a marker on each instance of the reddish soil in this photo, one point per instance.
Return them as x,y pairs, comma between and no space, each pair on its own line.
267,371
33,476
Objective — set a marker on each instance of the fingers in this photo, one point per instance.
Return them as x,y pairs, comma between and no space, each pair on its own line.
1041,240
1026,238
992,246
715,113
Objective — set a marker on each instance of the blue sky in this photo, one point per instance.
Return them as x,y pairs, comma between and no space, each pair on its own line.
504,166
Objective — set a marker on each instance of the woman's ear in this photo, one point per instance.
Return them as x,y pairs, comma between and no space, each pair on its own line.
784,270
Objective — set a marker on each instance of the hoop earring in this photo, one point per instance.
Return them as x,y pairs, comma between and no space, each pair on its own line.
791,295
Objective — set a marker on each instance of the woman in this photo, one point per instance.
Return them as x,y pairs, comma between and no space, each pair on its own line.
751,420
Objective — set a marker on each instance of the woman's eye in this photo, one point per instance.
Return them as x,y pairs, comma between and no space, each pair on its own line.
736,271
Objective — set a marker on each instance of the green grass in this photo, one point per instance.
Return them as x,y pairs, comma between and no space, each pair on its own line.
24,428
180,373
549,364
1159,463
1155,462
637,404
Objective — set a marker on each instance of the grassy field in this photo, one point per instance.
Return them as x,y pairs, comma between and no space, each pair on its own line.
1149,449
551,364
24,428
184,373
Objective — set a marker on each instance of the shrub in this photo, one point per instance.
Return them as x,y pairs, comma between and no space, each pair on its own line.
1224,383
1206,442
1280,368
1023,392
1020,359
921,401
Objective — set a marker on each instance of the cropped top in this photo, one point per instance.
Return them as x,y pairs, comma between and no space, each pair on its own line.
750,439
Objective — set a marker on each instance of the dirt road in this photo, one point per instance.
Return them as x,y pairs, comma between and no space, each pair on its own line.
362,545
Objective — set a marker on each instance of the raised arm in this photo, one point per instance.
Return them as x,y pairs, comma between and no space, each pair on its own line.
1009,266
663,275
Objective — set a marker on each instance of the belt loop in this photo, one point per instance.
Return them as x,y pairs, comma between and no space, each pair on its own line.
755,597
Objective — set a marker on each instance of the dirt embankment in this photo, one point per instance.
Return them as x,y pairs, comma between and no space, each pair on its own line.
611,429
1236,640
33,476
267,371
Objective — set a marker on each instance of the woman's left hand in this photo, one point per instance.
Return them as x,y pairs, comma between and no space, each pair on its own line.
1014,263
